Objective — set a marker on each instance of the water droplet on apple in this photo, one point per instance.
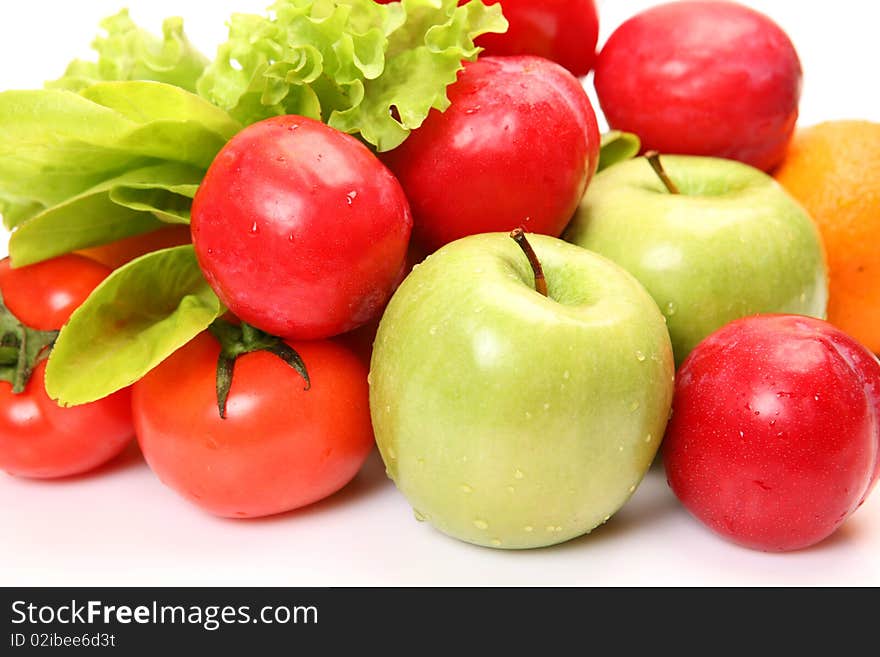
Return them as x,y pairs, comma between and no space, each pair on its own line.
546,406
519,474
566,375
511,490
551,528
388,409
671,309
649,438
472,110
742,435
481,524
632,489
210,251
496,542
478,310
291,238
433,330
528,415
606,518
419,516
392,454
478,270
558,529
350,197
467,490
634,407
254,228
528,529
421,462
816,397
620,448
640,357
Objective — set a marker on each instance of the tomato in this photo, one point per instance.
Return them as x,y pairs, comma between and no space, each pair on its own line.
38,438
280,447
517,148
300,229
565,31
115,254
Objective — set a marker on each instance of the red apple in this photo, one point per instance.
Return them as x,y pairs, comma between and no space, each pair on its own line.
775,434
565,31
702,78
516,148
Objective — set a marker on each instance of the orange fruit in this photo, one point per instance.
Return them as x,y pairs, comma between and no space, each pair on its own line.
115,254
833,169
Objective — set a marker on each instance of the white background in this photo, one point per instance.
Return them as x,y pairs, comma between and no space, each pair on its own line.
120,526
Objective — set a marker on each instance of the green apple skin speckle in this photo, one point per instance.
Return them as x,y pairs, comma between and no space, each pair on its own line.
512,420
732,244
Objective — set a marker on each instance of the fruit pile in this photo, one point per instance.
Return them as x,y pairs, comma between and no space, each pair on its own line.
397,223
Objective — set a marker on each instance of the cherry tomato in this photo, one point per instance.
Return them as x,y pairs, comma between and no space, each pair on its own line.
122,251
300,229
565,31
774,439
516,148
38,438
280,447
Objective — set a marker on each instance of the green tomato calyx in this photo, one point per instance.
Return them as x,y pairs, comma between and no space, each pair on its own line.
21,349
240,339
518,235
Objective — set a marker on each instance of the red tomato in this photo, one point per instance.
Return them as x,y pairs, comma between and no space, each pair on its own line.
517,148
280,447
774,440
300,230
115,254
38,438
565,31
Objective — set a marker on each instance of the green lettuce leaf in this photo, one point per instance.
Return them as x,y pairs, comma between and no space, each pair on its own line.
128,52
134,203
140,315
55,145
359,66
618,146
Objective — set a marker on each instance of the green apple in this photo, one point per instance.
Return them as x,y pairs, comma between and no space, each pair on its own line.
511,419
732,243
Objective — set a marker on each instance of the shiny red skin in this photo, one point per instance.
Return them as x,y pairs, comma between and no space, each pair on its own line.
517,147
300,229
565,31
280,447
702,78
38,438
775,434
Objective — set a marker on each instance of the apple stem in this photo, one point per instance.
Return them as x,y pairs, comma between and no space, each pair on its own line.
653,158
518,235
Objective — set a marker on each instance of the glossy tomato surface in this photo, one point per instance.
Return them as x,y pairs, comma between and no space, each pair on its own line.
702,78
38,438
775,434
565,31
300,229
517,147
280,447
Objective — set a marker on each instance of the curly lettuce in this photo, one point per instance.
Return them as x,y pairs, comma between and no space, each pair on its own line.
361,67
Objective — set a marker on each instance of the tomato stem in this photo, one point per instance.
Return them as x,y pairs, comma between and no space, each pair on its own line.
653,158
240,339
518,235
22,348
